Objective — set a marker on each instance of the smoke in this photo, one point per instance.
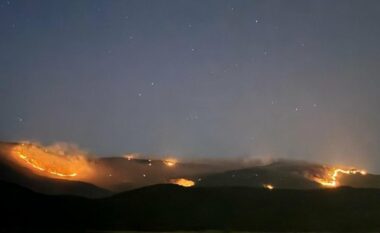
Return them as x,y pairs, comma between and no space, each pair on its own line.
68,161
65,149
258,161
59,160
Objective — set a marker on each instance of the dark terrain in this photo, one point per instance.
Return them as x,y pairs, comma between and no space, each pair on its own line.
170,207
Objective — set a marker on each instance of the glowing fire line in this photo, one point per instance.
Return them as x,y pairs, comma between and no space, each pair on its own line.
35,165
332,179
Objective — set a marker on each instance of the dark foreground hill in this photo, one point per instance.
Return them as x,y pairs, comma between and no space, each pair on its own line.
170,207
51,186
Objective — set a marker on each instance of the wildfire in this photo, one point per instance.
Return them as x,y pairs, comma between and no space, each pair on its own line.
36,165
129,157
50,163
170,162
268,186
331,178
182,182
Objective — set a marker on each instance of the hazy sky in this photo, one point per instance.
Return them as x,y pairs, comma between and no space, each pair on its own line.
295,79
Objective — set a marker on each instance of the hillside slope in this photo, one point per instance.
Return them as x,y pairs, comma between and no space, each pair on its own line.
11,172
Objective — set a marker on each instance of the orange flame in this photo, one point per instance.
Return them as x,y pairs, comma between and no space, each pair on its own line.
331,177
129,157
268,186
50,163
36,165
170,162
183,182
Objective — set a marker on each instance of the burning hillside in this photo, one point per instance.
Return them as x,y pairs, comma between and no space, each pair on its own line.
330,177
65,162
56,161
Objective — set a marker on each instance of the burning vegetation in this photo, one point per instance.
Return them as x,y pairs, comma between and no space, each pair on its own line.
130,157
183,182
330,178
64,161
170,162
55,161
268,186
37,165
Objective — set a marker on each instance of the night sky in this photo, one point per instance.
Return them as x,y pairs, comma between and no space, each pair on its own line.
214,79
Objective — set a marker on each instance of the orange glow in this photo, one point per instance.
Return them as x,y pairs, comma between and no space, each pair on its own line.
129,157
36,165
182,182
170,162
268,186
53,163
330,179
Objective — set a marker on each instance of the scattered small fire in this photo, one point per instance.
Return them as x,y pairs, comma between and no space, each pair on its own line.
330,179
182,182
170,162
268,186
